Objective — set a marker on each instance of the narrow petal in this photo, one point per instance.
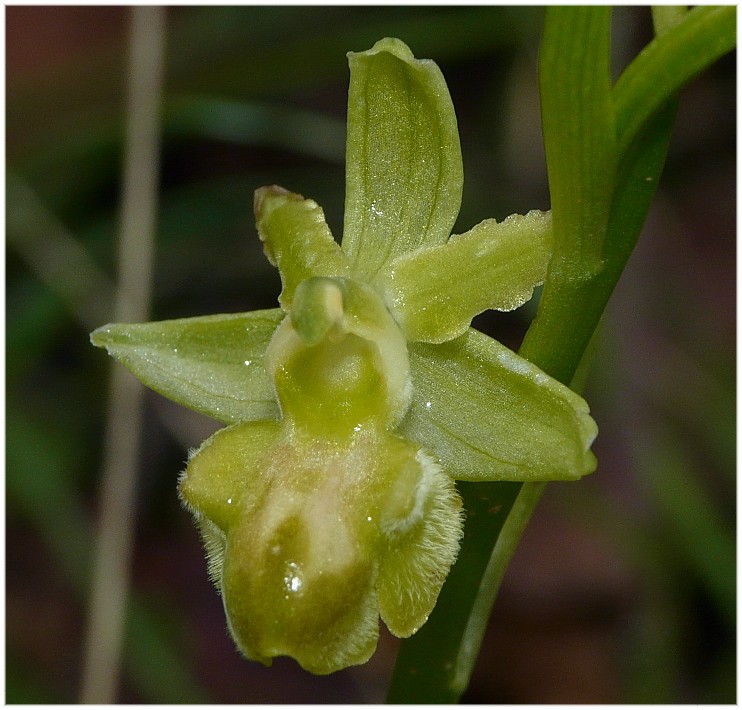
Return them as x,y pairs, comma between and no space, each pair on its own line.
296,239
435,292
404,174
212,364
488,414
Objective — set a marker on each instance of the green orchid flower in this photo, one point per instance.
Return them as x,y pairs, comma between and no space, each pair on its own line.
330,500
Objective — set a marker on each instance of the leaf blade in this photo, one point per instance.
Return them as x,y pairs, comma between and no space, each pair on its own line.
674,57
579,134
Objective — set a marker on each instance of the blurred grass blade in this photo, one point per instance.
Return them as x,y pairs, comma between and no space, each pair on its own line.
697,527
306,132
55,255
154,659
40,489
110,580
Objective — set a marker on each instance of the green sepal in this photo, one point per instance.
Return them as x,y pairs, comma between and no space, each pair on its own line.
435,292
404,174
490,415
296,239
212,364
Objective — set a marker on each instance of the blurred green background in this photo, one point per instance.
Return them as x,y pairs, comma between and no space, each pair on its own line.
623,589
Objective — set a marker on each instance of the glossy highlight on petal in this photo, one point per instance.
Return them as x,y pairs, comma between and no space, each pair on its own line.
435,292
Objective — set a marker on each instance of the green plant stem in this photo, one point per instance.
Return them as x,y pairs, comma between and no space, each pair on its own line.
507,542
110,582
430,668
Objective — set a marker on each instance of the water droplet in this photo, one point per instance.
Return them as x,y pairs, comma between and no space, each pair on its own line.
292,578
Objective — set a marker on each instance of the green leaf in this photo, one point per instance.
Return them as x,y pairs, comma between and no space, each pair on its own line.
435,292
693,521
213,364
297,239
404,174
490,415
579,138
668,62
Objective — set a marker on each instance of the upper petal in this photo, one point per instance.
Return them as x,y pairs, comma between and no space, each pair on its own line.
296,239
435,292
404,174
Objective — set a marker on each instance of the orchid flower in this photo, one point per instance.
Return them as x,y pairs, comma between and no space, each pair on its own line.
330,501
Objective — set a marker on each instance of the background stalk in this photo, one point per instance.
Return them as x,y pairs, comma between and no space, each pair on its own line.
109,594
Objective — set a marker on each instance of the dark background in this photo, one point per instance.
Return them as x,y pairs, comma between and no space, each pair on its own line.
623,589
